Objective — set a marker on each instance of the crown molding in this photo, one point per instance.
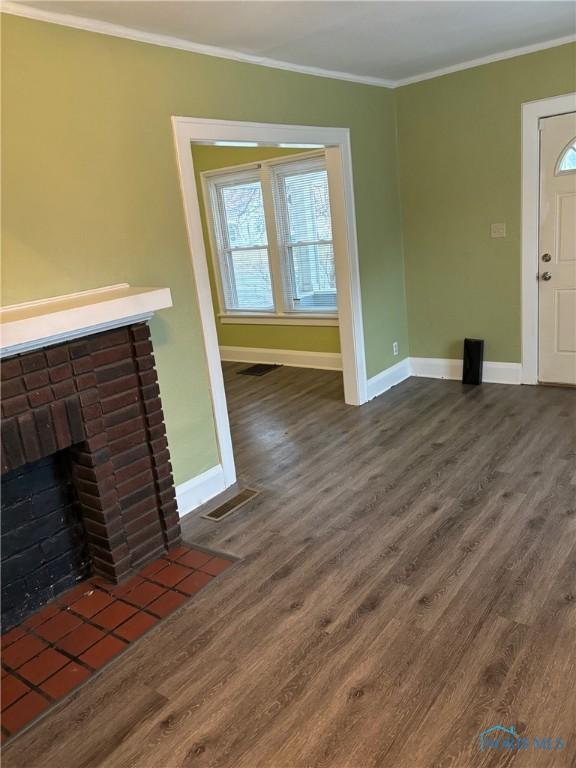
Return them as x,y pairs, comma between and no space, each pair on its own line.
509,54
166,41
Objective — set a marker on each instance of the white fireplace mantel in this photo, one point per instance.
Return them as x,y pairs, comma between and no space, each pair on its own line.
35,324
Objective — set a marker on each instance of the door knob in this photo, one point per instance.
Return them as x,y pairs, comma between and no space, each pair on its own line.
546,257
546,276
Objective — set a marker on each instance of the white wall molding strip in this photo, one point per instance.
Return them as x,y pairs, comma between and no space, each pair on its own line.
436,368
36,324
193,493
511,53
441,368
426,367
328,361
167,41
388,378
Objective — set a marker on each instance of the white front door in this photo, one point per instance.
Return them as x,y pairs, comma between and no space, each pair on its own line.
557,252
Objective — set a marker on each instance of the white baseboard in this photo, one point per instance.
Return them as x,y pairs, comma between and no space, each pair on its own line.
439,368
382,382
436,368
426,367
329,361
503,373
200,489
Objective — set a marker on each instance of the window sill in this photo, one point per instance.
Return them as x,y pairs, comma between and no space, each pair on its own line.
265,319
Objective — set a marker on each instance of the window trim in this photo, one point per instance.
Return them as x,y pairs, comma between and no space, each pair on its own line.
269,318
281,315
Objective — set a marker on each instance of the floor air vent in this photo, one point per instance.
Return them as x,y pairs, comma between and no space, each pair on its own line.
231,505
260,369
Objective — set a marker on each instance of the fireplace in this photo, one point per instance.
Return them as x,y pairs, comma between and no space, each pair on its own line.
87,483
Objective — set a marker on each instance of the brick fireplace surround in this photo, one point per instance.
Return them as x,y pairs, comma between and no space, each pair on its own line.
98,396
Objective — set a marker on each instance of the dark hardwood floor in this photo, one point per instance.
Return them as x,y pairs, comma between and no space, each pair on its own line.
409,580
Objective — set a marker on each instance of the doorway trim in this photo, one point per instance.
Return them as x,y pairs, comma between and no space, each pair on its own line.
339,164
532,113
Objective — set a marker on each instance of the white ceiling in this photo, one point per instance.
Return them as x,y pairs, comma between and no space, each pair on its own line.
384,41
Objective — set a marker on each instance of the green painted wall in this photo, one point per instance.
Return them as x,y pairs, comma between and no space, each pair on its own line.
91,194
312,338
460,166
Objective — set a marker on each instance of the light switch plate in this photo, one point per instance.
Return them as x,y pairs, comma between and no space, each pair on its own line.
498,229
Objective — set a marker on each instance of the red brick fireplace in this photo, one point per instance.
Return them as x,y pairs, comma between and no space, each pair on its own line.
95,400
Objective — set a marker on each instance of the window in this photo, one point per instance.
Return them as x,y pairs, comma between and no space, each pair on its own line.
305,236
272,238
242,242
568,160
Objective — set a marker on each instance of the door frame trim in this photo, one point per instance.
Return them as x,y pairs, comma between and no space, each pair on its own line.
339,164
532,113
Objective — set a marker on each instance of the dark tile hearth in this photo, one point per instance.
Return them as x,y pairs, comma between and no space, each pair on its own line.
68,641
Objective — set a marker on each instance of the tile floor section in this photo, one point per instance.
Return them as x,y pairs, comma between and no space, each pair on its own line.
72,638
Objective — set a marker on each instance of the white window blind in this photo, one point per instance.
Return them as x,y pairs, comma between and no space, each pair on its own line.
304,225
239,225
272,238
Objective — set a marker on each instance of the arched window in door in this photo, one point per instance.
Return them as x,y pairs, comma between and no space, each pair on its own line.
567,161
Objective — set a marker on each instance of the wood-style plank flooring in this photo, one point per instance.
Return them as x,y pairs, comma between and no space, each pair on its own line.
409,579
